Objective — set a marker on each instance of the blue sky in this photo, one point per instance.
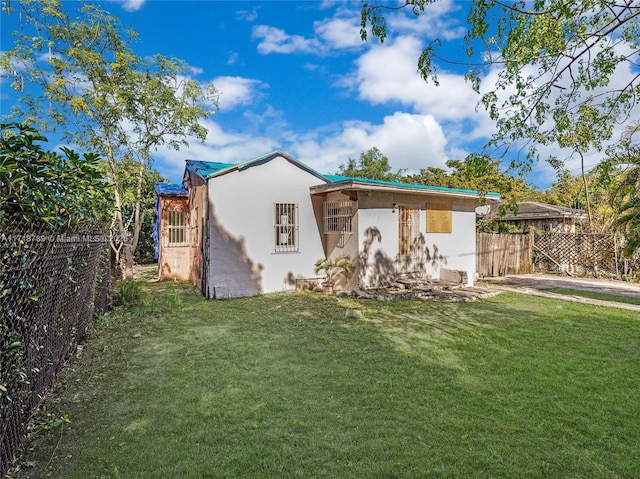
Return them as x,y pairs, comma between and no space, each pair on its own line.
295,76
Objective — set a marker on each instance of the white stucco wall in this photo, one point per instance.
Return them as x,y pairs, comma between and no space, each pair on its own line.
243,259
453,251
458,247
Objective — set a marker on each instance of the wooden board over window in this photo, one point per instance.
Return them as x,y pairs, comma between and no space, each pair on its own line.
438,218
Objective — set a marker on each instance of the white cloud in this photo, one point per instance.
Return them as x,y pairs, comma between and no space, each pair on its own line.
436,21
219,146
342,31
248,15
275,40
233,58
453,104
130,5
400,82
237,91
409,141
339,33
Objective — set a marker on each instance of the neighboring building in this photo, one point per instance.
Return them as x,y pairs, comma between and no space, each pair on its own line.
538,216
260,226
173,250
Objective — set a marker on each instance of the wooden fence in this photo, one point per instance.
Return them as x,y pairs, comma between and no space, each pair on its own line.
500,254
578,254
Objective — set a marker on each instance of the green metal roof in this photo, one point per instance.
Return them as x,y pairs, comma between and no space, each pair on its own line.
399,184
209,169
206,168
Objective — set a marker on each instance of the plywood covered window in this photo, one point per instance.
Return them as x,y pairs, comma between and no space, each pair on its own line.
337,216
286,227
438,218
408,229
177,228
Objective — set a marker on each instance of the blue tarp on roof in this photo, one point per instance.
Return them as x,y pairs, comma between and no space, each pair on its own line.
206,168
164,189
170,189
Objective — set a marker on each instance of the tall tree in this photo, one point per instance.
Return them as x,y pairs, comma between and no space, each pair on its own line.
372,164
476,172
626,198
128,180
93,88
555,61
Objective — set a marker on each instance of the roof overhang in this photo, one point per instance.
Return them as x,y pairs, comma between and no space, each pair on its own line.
389,187
543,216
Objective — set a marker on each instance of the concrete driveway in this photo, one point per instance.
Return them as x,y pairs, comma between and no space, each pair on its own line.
536,284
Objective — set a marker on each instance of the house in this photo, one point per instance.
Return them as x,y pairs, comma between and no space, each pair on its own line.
173,250
538,216
260,226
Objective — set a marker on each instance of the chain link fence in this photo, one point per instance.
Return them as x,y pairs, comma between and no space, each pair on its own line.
50,286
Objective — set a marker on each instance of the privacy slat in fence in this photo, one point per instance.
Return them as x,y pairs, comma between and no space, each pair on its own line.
500,254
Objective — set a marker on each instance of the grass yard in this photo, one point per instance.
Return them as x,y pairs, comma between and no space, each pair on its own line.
289,386
617,298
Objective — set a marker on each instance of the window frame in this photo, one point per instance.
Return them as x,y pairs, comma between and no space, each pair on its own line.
337,217
177,228
286,224
408,230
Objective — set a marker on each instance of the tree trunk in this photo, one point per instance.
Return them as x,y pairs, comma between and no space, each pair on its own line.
586,189
127,270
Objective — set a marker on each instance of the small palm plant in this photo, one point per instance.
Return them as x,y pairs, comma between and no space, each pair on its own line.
332,269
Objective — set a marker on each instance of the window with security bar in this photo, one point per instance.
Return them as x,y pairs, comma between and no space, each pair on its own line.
286,227
177,228
337,216
408,230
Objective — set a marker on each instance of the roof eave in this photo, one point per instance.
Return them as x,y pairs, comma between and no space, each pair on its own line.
543,217
260,160
358,186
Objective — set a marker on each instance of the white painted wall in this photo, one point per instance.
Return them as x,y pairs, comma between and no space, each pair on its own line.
458,247
455,250
243,258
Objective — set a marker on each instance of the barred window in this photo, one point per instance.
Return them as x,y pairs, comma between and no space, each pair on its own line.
337,216
177,228
286,227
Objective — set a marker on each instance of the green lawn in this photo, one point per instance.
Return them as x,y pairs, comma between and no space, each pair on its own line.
616,298
287,386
